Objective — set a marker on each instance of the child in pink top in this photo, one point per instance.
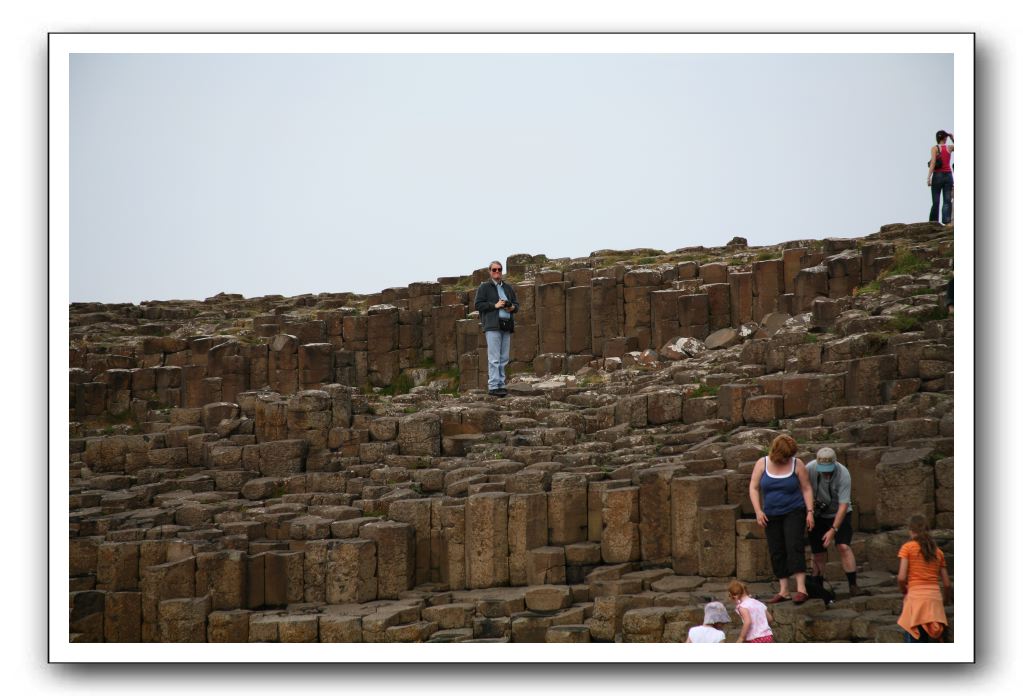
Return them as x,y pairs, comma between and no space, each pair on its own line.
754,613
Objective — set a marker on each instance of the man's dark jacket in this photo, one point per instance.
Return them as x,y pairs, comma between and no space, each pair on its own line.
487,297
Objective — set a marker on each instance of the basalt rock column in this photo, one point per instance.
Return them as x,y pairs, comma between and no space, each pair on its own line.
486,524
395,544
619,540
688,495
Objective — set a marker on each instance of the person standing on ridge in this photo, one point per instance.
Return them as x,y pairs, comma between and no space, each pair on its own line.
939,177
496,302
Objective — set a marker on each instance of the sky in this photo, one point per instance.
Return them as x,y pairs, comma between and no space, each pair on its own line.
193,174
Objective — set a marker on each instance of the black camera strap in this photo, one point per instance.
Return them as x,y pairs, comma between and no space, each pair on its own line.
816,488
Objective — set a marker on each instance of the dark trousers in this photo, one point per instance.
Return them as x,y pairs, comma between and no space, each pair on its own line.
786,542
924,637
941,186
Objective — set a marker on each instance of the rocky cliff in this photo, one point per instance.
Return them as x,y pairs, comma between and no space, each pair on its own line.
327,468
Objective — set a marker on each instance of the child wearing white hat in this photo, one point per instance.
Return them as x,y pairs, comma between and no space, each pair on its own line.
715,617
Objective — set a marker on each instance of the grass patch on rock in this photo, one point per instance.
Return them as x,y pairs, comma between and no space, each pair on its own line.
906,262
703,390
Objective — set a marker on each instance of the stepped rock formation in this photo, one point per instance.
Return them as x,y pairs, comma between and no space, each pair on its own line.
328,468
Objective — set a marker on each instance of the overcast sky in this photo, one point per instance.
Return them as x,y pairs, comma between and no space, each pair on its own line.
193,174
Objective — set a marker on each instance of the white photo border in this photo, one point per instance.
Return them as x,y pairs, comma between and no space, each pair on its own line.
63,45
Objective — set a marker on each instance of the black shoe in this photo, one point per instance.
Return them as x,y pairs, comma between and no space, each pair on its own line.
498,393
503,391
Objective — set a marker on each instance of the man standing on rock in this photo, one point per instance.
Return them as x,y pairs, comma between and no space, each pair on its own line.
832,498
496,302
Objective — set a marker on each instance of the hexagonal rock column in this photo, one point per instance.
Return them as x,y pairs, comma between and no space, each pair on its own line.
396,555
420,435
416,512
619,540
282,457
905,485
452,561
486,530
222,575
605,295
654,511
351,571
688,495
752,560
717,540
527,530
566,509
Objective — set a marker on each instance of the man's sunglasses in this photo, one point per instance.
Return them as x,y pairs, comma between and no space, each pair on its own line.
495,270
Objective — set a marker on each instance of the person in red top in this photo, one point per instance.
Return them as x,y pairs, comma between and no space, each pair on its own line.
921,563
939,177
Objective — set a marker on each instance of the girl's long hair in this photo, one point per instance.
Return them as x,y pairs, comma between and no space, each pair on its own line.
918,525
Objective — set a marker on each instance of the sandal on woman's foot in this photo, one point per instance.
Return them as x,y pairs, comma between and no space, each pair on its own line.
778,598
799,597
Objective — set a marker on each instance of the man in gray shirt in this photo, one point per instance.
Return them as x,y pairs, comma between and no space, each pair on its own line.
832,497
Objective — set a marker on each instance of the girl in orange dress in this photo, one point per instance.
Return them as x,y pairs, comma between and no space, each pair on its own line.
921,563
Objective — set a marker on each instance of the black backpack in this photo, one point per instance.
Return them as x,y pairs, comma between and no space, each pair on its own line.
819,589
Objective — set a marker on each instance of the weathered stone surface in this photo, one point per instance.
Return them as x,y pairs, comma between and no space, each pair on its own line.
122,617
395,552
568,633
340,629
283,574
722,338
228,626
566,509
527,530
183,620
763,409
545,565
282,457
222,575
905,486
420,434
486,515
717,540
664,407
546,598
680,348
619,541
752,560
654,510
351,572
253,486
688,495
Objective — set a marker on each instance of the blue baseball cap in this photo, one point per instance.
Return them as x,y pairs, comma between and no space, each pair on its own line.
825,460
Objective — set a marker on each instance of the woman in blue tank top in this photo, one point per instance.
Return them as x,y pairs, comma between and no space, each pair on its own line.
786,513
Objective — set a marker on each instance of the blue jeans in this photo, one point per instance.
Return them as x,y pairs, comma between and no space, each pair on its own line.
924,638
941,187
498,352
